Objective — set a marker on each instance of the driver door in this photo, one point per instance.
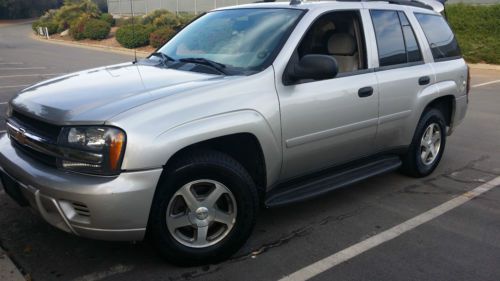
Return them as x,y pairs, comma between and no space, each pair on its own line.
331,121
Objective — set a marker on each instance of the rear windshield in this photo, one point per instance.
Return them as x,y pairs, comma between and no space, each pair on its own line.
440,37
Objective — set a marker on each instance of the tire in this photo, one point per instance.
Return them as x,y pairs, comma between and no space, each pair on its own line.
203,172
413,162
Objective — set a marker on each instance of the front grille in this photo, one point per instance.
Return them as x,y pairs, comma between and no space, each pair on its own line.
41,157
46,131
36,126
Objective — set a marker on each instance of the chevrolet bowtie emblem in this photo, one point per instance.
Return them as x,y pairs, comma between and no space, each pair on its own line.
20,136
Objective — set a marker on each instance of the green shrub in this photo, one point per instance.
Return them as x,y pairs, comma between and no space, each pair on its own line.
167,20
477,30
159,37
71,12
185,18
96,29
133,36
51,26
128,21
150,18
108,18
77,28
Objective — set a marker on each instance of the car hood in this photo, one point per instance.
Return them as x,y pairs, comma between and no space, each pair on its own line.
96,95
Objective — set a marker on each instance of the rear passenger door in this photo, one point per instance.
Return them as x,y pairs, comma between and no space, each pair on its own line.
402,75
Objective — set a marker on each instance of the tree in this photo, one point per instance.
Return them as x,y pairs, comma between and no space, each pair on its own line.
13,9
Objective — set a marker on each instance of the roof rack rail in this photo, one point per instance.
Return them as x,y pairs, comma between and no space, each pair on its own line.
397,2
436,5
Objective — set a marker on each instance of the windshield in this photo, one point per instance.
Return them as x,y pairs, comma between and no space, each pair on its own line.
241,40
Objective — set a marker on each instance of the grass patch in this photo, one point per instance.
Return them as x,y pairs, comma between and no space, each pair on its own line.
477,28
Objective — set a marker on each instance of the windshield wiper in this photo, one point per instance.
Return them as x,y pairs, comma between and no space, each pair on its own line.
163,57
220,67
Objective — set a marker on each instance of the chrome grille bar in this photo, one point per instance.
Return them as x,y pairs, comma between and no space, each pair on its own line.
47,147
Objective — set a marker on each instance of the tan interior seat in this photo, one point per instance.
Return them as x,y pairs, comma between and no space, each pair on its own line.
343,48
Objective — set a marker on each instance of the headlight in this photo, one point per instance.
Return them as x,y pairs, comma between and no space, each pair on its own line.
92,150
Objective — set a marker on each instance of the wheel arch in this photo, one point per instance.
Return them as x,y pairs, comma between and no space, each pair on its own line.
243,135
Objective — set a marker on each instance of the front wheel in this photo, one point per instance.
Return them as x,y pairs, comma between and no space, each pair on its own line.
427,146
204,210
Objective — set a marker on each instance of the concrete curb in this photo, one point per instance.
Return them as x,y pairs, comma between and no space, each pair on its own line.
92,46
8,270
484,66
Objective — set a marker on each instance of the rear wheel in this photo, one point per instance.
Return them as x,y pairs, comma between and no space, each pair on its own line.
427,146
204,210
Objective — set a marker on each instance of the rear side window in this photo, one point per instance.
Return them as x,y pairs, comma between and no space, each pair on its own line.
440,37
390,41
396,40
413,53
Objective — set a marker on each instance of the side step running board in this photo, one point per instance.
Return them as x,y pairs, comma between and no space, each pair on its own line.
316,186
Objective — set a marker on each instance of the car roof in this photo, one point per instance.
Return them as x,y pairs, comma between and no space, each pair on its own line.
321,5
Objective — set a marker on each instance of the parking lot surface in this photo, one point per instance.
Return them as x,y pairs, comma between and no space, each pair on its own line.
462,243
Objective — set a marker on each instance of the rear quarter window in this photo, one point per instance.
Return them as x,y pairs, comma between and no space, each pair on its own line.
441,39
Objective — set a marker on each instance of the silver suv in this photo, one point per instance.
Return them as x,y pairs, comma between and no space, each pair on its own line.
262,104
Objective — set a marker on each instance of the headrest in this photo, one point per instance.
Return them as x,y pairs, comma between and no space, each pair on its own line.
342,44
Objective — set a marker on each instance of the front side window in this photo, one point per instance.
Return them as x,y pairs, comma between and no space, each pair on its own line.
339,35
243,40
439,35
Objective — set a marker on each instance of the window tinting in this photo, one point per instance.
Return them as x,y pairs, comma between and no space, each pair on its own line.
439,35
412,48
390,41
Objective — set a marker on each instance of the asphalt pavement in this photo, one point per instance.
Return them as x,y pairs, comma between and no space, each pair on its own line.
462,243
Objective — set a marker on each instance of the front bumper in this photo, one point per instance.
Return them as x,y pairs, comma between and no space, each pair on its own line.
107,208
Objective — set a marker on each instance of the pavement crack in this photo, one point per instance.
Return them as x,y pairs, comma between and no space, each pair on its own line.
274,244
252,254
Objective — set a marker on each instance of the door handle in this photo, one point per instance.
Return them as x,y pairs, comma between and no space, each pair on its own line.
365,92
424,80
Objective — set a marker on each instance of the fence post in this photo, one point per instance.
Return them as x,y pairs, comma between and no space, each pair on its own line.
177,7
47,32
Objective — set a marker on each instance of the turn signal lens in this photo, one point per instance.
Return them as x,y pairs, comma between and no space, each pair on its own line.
115,151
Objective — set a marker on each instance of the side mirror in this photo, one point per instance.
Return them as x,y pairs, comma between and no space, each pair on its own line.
316,67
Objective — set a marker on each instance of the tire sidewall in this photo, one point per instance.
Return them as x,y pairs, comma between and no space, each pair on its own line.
431,116
246,212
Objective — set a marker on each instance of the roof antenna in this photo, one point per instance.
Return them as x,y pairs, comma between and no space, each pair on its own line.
133,29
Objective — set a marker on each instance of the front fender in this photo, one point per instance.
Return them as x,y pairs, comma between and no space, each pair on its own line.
167,143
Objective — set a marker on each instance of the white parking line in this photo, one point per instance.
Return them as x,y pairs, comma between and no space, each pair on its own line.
31,75
23,68
11,63
4,102
484,84
372,242
14,86
2,131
